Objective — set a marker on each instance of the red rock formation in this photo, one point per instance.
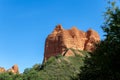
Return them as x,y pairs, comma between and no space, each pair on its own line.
2,70
92,38
60,40
14,69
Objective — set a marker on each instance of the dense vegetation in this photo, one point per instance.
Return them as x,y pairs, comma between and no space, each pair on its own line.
56,68
104,64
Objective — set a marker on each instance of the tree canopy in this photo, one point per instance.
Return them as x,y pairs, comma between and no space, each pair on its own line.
104,63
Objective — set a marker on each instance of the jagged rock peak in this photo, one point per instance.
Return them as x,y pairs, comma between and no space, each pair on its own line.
58,27
60,40
14,69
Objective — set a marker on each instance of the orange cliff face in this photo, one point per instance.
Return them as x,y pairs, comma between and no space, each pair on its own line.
14,69
60,40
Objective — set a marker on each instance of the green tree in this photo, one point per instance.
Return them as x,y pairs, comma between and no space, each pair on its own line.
104,63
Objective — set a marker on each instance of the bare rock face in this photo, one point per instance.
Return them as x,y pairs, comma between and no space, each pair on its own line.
60,40
14,69
93,37
2,70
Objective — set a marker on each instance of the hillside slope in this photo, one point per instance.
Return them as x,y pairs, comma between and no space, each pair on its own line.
58,67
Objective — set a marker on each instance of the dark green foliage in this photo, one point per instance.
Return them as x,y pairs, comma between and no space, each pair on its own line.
104,63
10,76
60,68
56,68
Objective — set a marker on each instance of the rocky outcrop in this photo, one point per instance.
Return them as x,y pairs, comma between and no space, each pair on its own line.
60,40
14,69
2,70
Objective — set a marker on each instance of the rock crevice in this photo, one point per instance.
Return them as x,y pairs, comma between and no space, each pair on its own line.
60,40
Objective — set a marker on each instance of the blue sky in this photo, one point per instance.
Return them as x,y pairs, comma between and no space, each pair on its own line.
25,24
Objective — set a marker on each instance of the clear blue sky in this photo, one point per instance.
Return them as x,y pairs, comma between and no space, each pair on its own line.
25,24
